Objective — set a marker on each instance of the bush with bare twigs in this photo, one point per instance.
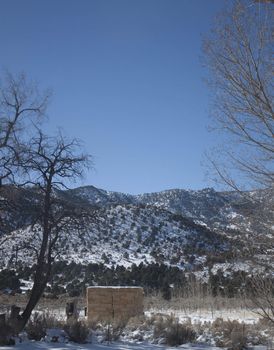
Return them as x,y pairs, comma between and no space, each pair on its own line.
112,332
261,293
230,334
77,331
173,332
6,335
36,327
38,324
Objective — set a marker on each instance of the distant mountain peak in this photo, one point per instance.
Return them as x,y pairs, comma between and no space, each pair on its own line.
166,227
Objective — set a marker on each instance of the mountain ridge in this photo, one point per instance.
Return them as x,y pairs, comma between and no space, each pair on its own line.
179,227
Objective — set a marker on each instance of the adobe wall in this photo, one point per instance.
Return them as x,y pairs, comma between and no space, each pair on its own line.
114,303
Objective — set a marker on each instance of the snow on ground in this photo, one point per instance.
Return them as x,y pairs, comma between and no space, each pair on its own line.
202,316
117,346
199,316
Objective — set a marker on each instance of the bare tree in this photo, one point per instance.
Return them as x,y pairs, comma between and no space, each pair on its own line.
51,162
41,165
238,54
21,106
261,294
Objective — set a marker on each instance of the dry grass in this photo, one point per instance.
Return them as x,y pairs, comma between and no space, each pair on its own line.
172,331
226,333
155,301
152,302
230,334
36,328
77,331
44,304
38,324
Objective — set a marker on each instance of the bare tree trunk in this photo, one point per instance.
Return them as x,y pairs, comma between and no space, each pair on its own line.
36,294
52,159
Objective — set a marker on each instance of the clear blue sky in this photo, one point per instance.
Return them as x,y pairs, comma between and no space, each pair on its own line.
127,80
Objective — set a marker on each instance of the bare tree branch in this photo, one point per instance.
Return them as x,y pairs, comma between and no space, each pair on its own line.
238,54
51,162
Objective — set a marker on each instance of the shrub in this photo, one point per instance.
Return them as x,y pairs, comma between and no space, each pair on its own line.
77,331
173,332
36,327
230,334
238,339
113,330
140,321
6,332
178,334
51,321
111,333
38,324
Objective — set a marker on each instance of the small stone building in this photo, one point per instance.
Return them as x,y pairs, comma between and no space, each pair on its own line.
114,303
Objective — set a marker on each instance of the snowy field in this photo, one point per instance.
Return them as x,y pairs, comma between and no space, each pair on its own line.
129,341
72,346
198,316
202,316
117,346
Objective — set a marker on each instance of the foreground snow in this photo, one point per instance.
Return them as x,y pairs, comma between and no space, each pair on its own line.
116,346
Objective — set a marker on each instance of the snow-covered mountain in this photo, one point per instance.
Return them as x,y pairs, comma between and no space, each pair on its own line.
178,227
217,210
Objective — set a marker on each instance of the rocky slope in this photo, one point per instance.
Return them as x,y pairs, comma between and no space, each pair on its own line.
182,228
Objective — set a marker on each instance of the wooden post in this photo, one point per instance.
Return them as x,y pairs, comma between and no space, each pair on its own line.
71,311
14,312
